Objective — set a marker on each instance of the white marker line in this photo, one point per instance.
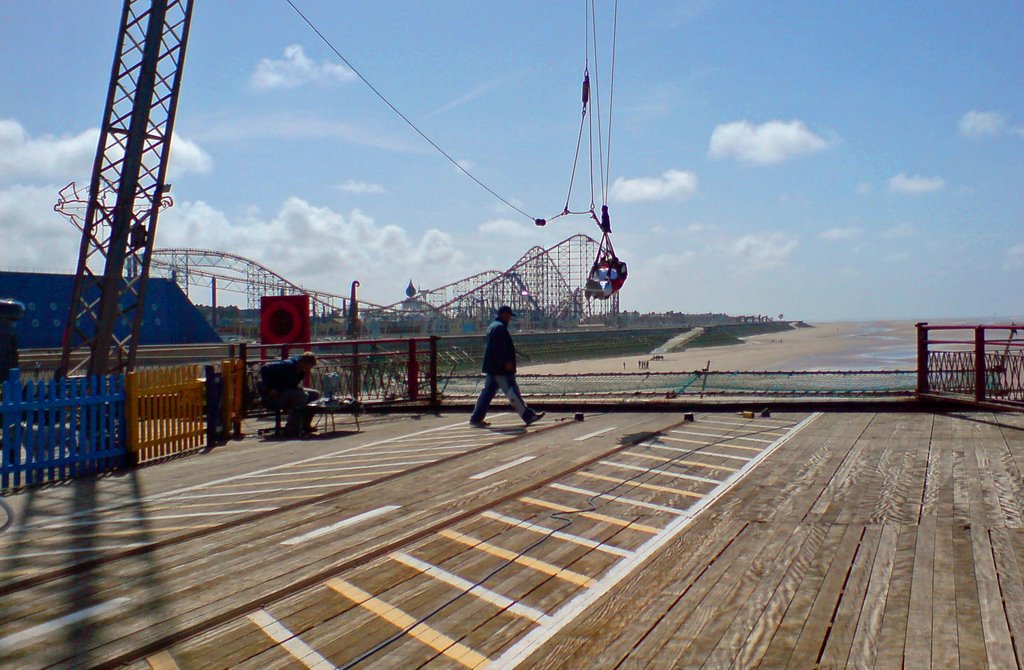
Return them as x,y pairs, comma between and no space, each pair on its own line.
678,461
529,643
282,489
551,532
698,452
595,433
84,550
723,437
338,471
157,517
667,473
493,471
21,637
622,499
289,641
705,443
162,497
313,534
481,592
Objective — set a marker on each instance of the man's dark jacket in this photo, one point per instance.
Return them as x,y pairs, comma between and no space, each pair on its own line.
282,375
498,350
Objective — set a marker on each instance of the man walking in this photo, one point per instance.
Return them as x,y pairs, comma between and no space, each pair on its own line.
499,368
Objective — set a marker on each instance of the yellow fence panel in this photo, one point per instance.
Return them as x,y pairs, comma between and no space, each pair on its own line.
165,412
233,380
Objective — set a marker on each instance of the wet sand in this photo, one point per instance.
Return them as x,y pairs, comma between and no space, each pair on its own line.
868,345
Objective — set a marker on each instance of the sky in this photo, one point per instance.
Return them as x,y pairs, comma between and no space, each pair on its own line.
821,160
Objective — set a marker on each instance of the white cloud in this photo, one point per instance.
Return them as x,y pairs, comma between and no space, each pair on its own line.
673,184
506,228
841,234
981,124
1014,257
353,186
762,251
297,69
899,231
320,248
70,157
916,185
35,237
765,144
864,188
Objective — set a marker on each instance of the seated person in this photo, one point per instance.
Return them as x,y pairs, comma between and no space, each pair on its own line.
281,388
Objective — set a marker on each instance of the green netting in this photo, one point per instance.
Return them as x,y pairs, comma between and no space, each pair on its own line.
671,384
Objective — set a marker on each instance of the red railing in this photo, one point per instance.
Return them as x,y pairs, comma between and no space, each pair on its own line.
983,363
367,370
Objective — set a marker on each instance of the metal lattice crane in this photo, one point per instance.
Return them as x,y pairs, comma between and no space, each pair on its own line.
127,185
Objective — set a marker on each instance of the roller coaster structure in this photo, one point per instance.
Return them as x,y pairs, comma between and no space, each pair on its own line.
545,287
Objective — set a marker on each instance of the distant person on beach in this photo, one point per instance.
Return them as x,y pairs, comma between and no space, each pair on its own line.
281,388
499,368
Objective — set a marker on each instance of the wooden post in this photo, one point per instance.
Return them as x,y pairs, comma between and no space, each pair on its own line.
131,415
922,357
979,363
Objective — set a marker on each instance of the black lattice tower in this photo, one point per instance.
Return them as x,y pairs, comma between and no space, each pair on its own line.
127,184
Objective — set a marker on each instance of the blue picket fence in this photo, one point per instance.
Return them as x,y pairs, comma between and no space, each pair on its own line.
59,429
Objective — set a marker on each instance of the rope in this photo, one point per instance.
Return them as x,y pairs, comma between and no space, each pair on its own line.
611,98
403,116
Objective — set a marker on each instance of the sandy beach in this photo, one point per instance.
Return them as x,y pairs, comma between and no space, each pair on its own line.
868,345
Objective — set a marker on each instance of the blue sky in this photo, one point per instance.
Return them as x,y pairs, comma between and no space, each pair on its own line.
836,160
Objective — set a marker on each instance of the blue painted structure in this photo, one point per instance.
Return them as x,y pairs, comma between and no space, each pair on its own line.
61,428
170,317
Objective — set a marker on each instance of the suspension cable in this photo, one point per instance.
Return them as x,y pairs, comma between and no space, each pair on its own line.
597,103
401,115
611,97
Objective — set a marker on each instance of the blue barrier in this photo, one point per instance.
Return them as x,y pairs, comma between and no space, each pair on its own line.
61,428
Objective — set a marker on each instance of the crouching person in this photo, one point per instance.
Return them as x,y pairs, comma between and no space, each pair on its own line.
281,388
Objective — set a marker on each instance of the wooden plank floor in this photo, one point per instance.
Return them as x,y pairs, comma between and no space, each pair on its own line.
868,541
860,540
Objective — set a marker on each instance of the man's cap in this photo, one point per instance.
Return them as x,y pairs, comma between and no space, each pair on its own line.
505,309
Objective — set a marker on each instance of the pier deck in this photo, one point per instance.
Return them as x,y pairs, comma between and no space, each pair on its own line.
836,539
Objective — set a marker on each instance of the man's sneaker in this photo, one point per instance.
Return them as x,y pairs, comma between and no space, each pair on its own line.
535,418
480,424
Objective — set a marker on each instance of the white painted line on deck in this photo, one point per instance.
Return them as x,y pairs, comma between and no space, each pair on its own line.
622,499
747,424
481,592
493,471
24,636
156,517
595,433
698,452
163,497
723,437
667,473
352,520
530,642
551,532
290,642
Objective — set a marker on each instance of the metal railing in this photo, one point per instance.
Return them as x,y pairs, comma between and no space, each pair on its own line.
982,363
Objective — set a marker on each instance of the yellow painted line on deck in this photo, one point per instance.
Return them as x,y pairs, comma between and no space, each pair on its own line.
592,515
505,554
434,639
698,452
162,661
662,459
481,592
641,485
658,471
594,495
721,436
708,444
289,641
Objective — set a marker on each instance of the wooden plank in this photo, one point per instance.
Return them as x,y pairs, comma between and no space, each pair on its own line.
917,650
864,645
836,650
970,635
998,645
944,637
893,627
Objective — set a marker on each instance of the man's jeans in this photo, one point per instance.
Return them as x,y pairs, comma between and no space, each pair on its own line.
508,385
295,401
